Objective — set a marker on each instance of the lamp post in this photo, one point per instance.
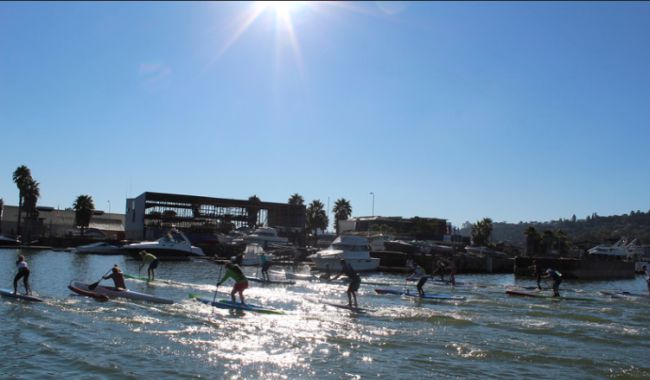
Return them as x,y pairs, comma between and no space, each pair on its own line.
373,203
109,209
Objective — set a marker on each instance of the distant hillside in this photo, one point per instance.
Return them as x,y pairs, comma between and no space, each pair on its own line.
582,232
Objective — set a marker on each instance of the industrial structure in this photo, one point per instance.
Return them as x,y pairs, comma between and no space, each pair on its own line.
150,214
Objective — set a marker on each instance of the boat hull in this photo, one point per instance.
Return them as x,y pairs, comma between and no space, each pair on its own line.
163,254
334,264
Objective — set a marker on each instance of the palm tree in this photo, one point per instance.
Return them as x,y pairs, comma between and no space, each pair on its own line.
342,211
316,217
548,241
32,193
253,209
533,240
83,211
481,231
21,177
296,200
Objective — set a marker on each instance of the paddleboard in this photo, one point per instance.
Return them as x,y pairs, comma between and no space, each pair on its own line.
10,294
228,304
430,296
347,307
263,281
146,279
542,295
624,294
122,293
88,293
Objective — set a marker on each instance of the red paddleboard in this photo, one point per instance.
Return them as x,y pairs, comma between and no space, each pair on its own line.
96,296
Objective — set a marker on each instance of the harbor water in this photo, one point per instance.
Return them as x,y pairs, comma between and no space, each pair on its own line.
489,335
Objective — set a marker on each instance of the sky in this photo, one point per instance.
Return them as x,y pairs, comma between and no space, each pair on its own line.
517,111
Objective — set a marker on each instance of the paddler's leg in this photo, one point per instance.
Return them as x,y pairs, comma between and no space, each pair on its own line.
28,291
420,284
232,293
18,276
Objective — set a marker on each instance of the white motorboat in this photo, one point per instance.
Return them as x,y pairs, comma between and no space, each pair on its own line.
173,246
353,249
8,242
99,248
265,236
252,254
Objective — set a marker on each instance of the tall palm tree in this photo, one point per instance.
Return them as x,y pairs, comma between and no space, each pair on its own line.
21,177
253,209
342,211
32,193
83,210
316,217
533,240
481,231
296,200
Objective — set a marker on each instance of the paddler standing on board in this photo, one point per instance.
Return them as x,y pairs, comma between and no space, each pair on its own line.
647,276
241,283
265,263
557,280
23,272
148,258
118,278
355,281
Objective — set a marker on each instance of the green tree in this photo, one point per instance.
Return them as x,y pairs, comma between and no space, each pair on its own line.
548,241
316,218
342,211
253,210
21,177
481,231
533,240
32,193
83,210
296,200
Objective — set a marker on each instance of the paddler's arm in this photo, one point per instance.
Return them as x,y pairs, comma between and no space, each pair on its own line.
226,276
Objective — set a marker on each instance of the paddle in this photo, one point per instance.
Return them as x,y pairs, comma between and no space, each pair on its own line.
94,284
216,288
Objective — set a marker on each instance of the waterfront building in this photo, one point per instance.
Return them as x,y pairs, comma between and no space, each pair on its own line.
56,223
150,214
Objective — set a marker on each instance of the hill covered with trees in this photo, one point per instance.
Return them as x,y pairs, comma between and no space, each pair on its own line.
581,233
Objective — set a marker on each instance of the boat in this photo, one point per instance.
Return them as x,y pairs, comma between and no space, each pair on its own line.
266,237
112,292
173,246
353,249
431,296
228,304
88,293
252,253
8,242
23,297
99,248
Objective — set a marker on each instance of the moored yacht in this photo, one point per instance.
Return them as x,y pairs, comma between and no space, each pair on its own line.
265,236
252,254
173,246
354,249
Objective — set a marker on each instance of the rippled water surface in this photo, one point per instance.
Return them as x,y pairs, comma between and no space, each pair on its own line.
490,335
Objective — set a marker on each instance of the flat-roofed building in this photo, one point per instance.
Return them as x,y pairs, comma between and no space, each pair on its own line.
150,214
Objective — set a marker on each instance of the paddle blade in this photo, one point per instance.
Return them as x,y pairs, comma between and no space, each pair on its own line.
94,285
192,295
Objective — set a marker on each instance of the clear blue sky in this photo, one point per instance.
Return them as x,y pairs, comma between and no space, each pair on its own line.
515,111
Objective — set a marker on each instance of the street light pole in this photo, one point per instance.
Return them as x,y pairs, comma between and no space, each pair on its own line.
109,209
373,203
